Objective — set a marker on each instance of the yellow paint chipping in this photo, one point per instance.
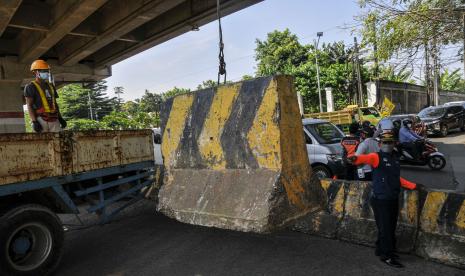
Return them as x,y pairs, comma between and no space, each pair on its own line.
210,138
325,184
431,210
174,127
412,207
264,135
338,204
460,221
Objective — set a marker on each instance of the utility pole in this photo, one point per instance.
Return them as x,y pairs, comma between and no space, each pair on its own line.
427,75
375,50
90,105
359,76
436,72
463,54
319,34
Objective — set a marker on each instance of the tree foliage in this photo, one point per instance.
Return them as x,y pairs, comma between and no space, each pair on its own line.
282,53
75,101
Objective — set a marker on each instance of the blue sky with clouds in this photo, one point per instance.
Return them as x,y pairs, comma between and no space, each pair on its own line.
191,58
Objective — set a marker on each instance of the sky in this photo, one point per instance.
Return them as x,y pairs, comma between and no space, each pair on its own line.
191,58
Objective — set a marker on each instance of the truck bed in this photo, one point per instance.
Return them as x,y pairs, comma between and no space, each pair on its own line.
343,117
32,156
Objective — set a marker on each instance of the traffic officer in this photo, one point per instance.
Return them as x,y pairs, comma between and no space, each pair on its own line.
385,195
41,101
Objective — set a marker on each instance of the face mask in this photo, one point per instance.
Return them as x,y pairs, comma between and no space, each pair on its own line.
387,148
44,75
409,125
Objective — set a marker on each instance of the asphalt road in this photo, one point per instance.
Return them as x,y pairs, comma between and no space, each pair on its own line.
142,242
452,177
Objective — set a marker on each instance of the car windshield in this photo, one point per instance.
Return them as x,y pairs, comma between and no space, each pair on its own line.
325,133
370,111
432,112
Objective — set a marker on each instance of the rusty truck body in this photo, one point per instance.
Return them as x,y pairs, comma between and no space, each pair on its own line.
42,175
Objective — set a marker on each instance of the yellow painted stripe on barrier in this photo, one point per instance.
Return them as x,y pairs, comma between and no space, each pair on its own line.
412,207
175,127
264,135
210,138
431,210
460,220
338,204
325,184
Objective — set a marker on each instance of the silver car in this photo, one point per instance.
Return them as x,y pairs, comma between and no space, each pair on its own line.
324,148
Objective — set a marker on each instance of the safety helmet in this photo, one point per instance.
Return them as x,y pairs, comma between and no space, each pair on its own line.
368,131
39,65
387,137
353,128
406,122
365,124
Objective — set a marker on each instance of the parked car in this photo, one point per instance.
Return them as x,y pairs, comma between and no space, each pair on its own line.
323,147
462,103
441,119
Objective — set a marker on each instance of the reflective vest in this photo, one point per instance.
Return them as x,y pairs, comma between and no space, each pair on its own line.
46,108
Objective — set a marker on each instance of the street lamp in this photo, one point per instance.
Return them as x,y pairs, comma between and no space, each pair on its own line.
319,35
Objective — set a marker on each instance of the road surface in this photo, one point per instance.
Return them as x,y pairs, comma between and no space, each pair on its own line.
452,177
143,242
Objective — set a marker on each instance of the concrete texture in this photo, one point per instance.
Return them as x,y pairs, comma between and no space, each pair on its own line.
235,157
11,108
141,242
431,223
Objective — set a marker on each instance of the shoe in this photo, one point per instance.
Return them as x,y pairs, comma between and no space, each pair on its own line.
393,262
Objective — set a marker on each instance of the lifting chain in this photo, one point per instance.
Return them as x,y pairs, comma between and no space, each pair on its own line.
222,66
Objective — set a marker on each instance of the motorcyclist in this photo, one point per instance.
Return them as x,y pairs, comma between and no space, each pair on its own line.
410,140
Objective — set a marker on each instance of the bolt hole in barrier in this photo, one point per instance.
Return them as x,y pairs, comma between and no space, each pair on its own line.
431,223
235,157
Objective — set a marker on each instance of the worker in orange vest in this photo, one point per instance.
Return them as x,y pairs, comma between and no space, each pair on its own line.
41,101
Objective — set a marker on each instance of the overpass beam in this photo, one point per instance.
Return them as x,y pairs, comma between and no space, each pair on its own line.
116,20
66,16
7,10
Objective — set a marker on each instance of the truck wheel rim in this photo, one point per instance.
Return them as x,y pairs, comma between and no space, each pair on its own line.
29,246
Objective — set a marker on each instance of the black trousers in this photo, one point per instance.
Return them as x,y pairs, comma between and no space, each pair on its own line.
368,176
350,172
386,213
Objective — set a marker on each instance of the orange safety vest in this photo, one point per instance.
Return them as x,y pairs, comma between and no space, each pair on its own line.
46,110
349,145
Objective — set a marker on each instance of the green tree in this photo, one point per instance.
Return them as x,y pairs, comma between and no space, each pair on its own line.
207,84
174,92
280,53
150,102
393,74
401,28
75,101
452,81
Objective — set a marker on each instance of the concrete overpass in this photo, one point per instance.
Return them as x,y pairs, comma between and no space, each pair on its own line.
82,39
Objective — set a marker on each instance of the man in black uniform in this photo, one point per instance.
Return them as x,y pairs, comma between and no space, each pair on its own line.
349,147
385,196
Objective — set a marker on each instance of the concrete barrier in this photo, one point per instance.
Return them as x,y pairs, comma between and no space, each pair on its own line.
442,227
235,157
431,223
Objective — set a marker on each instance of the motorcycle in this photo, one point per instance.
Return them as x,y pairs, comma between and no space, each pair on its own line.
430,156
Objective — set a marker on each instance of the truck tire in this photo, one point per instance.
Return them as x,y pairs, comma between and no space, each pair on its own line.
31,241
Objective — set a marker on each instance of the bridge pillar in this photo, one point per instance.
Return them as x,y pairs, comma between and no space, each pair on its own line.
11,107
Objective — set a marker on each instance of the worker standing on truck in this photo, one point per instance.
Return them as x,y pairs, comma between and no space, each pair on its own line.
349,146
41,101
385,196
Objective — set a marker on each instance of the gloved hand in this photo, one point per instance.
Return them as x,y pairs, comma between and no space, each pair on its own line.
62,121
37,126
352,159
